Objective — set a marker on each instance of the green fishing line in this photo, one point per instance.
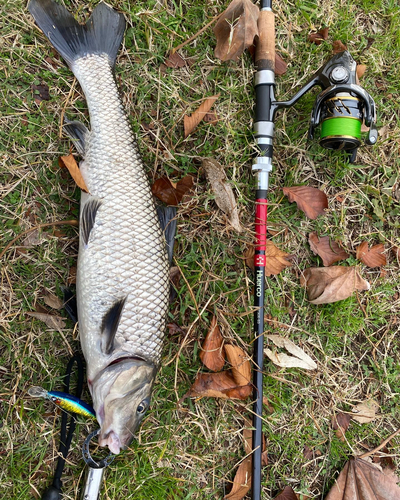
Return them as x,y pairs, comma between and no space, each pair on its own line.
341,127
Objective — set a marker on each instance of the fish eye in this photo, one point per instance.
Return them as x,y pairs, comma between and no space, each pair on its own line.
142,407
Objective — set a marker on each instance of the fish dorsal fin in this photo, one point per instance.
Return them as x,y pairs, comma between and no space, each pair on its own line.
88,218
109,325
77,131
166,216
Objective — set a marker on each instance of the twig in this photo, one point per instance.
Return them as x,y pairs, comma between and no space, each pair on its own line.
65,107
196,34
382,445
72,222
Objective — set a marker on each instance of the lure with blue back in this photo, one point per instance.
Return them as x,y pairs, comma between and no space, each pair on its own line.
65,401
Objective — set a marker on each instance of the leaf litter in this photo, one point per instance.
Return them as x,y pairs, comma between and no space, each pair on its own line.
362,480
236,29
365,412
276,259
299,358
73,168
340,424
212,350
373,257
325,285
224,197
191,122
312,201
170,193
329,251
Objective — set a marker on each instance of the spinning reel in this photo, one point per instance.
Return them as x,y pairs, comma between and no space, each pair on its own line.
341,107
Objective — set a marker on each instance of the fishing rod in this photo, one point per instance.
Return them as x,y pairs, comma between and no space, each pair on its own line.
340,109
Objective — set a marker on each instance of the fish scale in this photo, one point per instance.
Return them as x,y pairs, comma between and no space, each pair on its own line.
123,266
122,258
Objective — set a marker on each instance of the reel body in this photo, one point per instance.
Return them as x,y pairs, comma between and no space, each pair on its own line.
341,108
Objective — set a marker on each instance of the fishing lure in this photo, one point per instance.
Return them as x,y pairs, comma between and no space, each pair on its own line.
64,401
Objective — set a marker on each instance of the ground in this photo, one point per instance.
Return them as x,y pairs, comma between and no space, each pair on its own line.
190,449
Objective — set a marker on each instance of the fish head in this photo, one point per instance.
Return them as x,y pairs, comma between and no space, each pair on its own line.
121,396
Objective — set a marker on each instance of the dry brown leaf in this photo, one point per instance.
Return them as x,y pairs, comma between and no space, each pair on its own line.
362,480
275,259
241,367
70,163
311,201
361,70
318,37
329,284
242,481
53,301
41,93
224,197
71,280
299,359
287,494
212,349
54,322
171,193
340,424
236,29
396,253
249,256
365,412
280,65
329,251
218,385
32,239
338,46
190,122
175,61
374,257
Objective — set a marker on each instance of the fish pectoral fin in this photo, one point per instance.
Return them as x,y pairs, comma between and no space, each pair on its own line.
166,216
78,132
109,325
88,218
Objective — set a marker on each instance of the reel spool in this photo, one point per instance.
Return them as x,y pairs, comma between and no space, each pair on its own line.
341,108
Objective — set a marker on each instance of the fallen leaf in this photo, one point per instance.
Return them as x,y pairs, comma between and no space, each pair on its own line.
299,359
396,253
362,480
190,122
169,193
71,280
236,29
53,301
280,65
374,257
310,453
70,163
175,61
311,201
211,118
32,239
329,251
318,37
54,322
329,284
287,494
275,259
361,70
338,46
365,411
218,385
249,256
241,367
224,197
242,481
340,424
211,354
41,93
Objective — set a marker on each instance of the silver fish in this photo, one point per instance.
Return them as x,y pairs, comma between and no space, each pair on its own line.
123,268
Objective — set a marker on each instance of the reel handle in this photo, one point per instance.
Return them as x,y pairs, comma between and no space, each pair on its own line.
265,48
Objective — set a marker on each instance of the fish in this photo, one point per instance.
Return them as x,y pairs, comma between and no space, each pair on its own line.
122,278
65,401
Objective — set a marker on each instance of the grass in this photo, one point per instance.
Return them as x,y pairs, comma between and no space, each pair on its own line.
189,449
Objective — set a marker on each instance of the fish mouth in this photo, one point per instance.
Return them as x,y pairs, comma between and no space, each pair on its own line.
125,358
112,440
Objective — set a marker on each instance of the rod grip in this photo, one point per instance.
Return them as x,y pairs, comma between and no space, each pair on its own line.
265,49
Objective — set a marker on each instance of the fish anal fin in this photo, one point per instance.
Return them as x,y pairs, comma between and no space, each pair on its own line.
88,218
109,325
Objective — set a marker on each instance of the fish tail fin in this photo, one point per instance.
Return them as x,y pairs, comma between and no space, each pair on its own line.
102,34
